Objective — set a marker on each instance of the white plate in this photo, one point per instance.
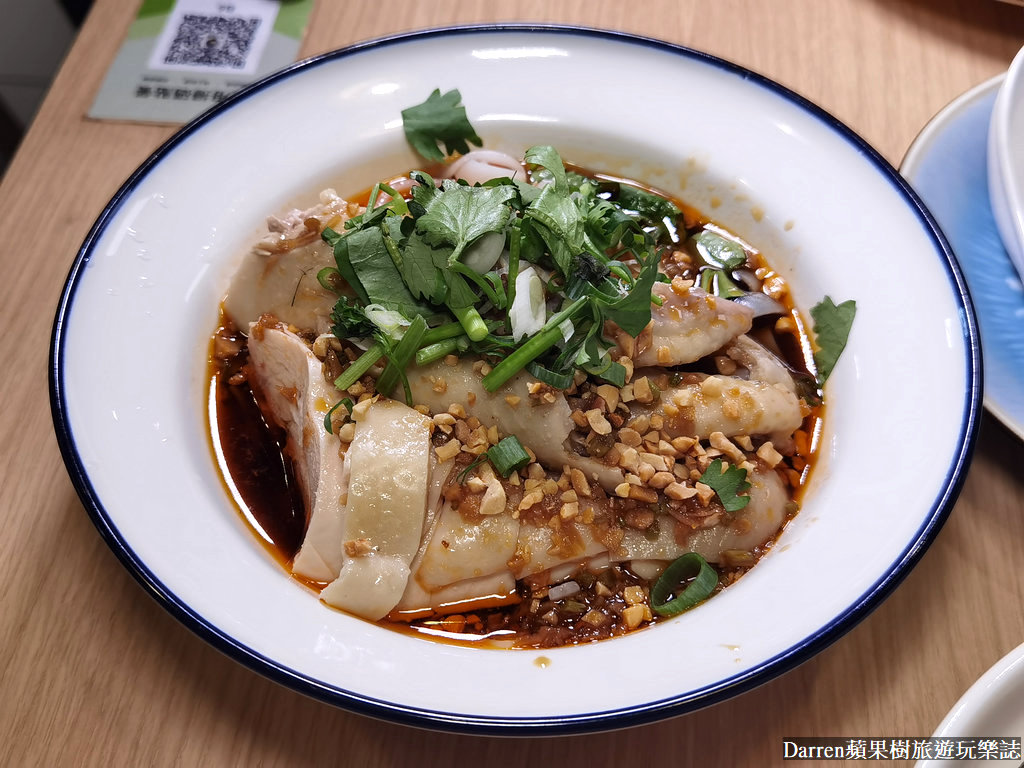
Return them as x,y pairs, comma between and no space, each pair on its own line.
1006,162
947,165
992,707
130,345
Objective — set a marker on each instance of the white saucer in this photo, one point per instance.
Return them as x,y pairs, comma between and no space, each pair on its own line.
947,166
992,707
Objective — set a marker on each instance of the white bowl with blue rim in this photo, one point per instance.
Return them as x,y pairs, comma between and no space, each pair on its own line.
129,370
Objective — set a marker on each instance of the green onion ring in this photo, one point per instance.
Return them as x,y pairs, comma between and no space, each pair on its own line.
705,579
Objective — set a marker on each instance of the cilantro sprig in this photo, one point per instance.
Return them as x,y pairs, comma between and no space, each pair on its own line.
728,485
832,324
448,255
439,121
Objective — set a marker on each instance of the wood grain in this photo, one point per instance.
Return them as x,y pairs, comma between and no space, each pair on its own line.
94,672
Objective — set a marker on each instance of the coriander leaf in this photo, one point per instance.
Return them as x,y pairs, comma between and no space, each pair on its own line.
340,245
460,214
420,268
632,312
728,485
527,192
646,204
425,189
548,158
832,325
440,120
560,214
606,224
460,295
559,223
719,252
378,275
348,320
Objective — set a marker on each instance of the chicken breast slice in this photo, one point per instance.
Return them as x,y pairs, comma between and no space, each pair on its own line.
726,404
278,276
541,425
382,523
754,525
460,550
760,364
689,324
287,379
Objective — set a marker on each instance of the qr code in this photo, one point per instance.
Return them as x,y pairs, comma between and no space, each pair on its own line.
212,41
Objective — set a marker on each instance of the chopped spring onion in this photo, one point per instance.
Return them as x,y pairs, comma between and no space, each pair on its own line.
400,357
508,455
533,348
359,366
471,321
433,352
716,281
556,380
527,312
329,278
345,401
689,566
442,332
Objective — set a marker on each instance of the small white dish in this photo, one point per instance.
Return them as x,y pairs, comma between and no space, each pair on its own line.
947,166
992,707
1006,161
130,346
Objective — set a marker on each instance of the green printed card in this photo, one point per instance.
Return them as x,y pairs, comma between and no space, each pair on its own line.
183,56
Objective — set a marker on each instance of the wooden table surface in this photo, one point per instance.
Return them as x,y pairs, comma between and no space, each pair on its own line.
93,671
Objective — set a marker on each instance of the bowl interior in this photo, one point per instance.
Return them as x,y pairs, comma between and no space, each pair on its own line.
132,346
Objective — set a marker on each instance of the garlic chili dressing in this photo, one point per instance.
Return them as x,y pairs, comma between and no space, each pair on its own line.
258,475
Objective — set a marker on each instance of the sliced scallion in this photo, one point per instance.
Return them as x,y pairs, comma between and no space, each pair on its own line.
473,324
359,366
433,352
508,455
551,378
345,401
691,566
329,277
534,347
401,356
441,332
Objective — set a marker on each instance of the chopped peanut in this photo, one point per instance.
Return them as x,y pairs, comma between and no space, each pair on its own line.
476,484
642,390
630,437
634,595
358,547
610,394
769,455
579,483
678,491
704,493
531,498
569,510
661,480
598,422
633,616
448,450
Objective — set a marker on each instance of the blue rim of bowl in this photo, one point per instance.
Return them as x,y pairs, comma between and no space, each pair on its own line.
526,725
